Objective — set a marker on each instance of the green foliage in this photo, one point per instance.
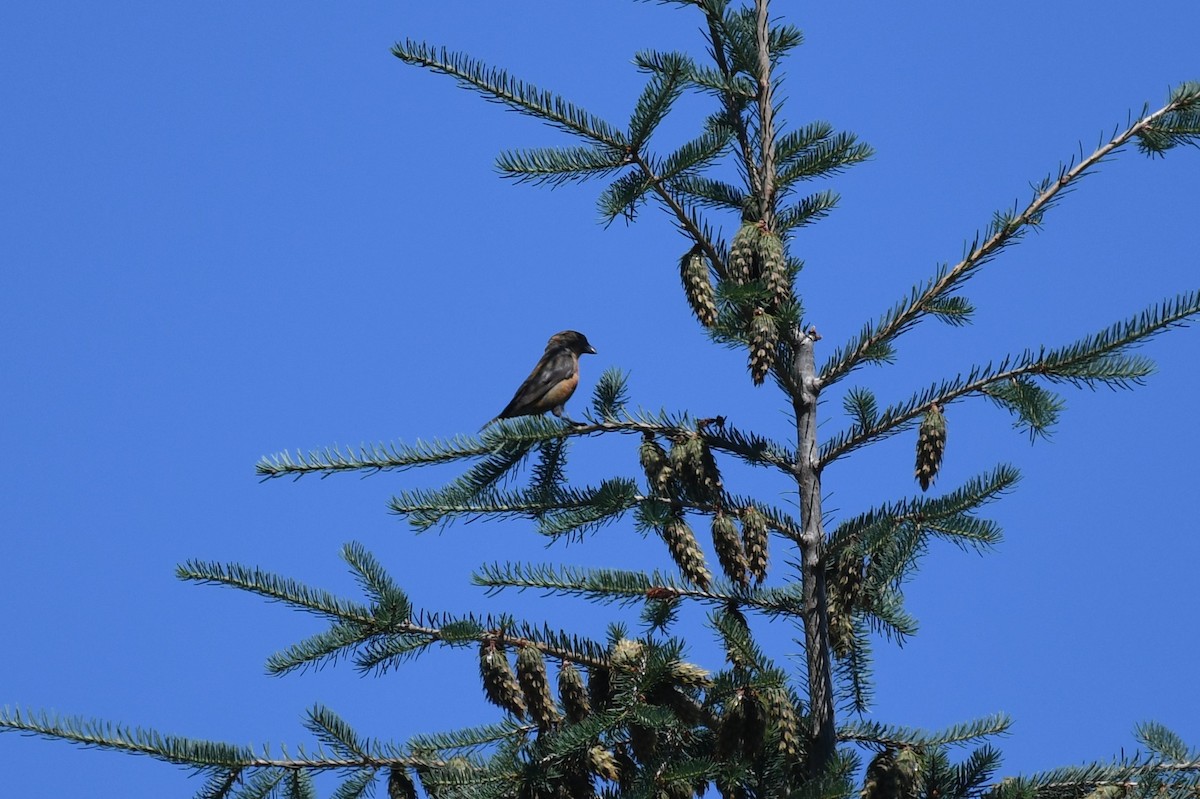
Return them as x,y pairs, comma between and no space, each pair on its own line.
497,85
654,725
1178,124
611,394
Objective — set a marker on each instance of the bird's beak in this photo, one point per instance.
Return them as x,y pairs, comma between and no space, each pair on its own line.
590,350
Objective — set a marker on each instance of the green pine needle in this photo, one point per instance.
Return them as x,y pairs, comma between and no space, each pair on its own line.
333,731
885,735
132,740
496,84
555,166
810,209
611,393
1180,125
275,588
664,88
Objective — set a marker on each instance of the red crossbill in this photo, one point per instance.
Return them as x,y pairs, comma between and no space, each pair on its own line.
553,380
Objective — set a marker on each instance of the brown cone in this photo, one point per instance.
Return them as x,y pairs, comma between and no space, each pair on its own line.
686,552
729,549
931,444
693,270
763,336
754,539
531,674
499,683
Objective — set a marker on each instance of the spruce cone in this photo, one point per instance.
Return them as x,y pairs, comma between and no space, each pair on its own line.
531,674
572,694
655,463
499,683
931,443
400,785
685,708
643,741
689,675
576,781
843,587
627,655
756,725
754,537
774,269
693,269
681,541
603,764
782,713
744,259
599,686
892,774
729,550
731,727
742,727
763,338
694,465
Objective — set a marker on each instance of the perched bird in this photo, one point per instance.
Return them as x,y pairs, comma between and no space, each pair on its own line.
553,380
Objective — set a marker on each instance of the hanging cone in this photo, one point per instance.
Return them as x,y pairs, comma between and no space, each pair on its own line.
689,675
931,444
730,553
603,764
628,655
744,265
599,686
572,693
843,588
754,539
775,274
686,552
782,714
693,463
531,674
655,464
400,785
763,336
892,774
693,271
499,683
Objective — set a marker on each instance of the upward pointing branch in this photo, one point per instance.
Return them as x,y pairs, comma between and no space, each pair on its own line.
909,312
766,113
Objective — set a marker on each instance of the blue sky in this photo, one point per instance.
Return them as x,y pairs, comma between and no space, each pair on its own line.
229,229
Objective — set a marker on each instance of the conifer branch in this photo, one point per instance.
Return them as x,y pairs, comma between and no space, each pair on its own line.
496,84
197,753
524,431
372,458
862,532
471,739
853,670
275,588
766,113
879,735
558,165
1005,229
626,588
1099,359
684,217
734,102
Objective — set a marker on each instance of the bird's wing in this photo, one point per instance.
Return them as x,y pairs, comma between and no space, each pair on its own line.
552,369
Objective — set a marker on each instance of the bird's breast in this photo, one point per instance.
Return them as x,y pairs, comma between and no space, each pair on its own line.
560,392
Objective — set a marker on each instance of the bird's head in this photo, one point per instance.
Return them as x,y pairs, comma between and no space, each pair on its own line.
576,342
